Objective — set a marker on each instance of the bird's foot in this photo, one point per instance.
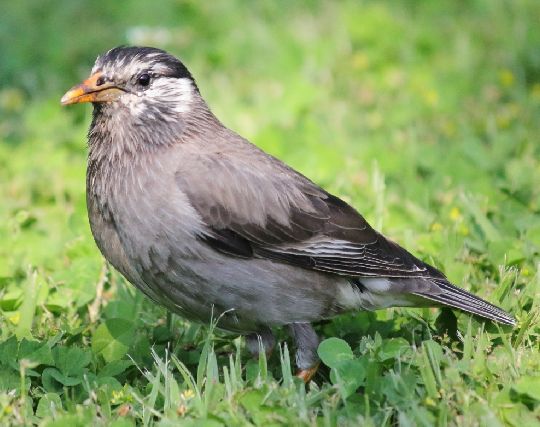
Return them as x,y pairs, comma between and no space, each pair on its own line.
307,374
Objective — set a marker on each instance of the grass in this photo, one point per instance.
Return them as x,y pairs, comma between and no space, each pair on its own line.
423,115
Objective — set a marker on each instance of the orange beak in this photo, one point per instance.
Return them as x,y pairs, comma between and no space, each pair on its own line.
93,89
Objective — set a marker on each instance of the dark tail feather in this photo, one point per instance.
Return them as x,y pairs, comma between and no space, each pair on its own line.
459,298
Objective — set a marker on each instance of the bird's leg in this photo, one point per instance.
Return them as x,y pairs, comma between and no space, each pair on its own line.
265,337
306,342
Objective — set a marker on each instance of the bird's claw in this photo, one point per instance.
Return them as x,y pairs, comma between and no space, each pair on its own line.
307,374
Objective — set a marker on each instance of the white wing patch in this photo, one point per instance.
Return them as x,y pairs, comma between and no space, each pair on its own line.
376,284
351,297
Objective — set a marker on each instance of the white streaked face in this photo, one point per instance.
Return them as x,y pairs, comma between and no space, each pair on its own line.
144,84
150,86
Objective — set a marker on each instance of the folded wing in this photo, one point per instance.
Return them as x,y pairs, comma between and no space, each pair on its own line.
254,205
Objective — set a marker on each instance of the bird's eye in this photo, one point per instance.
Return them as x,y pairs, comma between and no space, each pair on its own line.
144,79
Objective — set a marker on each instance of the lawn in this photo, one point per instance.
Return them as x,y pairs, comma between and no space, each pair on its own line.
423,115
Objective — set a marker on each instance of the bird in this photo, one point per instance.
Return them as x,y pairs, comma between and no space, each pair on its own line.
204,222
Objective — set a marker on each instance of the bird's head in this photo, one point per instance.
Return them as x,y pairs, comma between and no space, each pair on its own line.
142,83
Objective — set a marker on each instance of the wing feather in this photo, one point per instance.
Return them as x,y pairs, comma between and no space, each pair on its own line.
255,205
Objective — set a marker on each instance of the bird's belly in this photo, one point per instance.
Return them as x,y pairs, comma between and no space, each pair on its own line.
246,293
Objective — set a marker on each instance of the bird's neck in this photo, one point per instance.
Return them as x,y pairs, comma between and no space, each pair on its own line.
118,144
115,137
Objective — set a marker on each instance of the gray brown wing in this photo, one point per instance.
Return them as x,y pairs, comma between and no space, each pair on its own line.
254,205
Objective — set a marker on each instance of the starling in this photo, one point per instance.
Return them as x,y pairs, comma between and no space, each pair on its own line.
204,222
